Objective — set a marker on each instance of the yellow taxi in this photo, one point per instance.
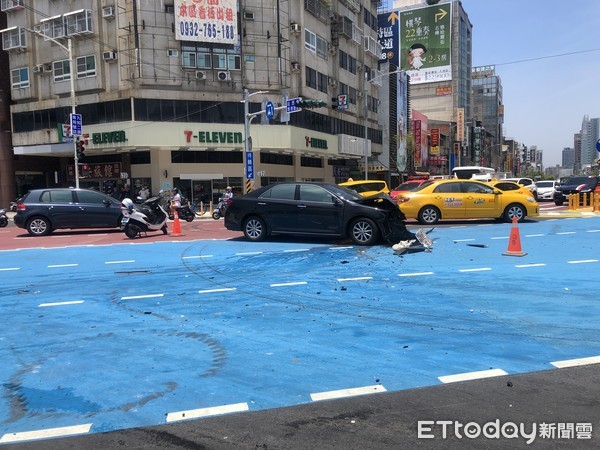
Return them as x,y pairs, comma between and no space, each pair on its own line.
465,199
367,188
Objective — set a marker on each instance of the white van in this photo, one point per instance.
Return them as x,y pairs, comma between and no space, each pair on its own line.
474,173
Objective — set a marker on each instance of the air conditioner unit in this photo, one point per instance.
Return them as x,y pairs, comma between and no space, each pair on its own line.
39,68
47,67
332,49
295,66
332,83
200,75
108,12
109,56
295,27
248,15
223,75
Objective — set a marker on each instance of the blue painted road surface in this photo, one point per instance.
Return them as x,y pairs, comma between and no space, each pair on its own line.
110,337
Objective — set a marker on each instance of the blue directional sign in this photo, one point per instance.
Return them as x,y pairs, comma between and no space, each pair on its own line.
76,124
598,145
291,105
250,165
270,110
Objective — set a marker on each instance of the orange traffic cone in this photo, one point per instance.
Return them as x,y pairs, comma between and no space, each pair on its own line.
514,242
176,225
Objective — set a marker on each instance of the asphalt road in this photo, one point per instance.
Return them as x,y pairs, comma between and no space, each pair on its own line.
103,340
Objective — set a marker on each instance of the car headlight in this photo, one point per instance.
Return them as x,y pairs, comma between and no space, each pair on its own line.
530,199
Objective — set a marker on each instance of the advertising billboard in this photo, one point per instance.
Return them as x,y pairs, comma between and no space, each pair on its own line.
418,41
206,21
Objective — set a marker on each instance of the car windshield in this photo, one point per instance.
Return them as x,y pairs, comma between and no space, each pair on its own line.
424,185
408,186
544,184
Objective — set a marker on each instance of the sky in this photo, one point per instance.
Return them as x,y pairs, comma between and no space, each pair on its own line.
547,54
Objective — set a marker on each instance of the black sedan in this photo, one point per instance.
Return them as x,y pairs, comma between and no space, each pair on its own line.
316,209
574,185
43,210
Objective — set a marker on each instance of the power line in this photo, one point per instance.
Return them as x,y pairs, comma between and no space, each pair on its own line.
560,55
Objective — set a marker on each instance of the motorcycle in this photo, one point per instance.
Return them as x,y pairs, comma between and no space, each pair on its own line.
219,211
3,218
184,213
149,216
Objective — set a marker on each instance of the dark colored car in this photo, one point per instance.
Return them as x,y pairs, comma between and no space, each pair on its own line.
41,211
574,185
316,209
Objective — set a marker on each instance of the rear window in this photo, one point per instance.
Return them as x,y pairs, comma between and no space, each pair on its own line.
408,186
56,197
544,184
579,180
366,187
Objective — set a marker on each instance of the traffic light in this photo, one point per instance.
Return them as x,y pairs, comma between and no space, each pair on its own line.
85,171
80,148
310,103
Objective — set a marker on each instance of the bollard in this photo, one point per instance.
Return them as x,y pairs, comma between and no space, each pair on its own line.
597,199
573,202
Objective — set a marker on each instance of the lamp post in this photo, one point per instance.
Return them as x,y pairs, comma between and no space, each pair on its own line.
69,49
247,139
366,111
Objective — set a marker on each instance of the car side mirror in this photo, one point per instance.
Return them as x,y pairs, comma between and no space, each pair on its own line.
337,201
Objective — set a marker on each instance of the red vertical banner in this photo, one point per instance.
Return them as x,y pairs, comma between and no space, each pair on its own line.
435,137
417,135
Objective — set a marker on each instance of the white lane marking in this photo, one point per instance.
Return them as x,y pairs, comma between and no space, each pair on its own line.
293,283
248,253
317,396
593,231
355,279
62,265
133,297
583,261
534,235
414,274
74,302
478,269
567,232
200,256
463,240
530,265
500,237
296,250
46,434
208,291
587,213
472,375
120,262
339,248
205,412
10,268
576,362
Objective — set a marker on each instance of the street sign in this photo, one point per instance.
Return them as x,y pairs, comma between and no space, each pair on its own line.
270,110
250,165
76,124
598,145
342,101
291,105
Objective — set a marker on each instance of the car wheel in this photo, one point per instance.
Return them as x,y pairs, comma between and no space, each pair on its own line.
514,210
429,215
364,231
255,229
558,203
39,226
3,222
164,229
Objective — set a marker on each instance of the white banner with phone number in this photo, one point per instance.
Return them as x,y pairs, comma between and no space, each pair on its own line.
206,21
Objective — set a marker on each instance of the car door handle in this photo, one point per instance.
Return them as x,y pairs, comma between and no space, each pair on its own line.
301,206
262,203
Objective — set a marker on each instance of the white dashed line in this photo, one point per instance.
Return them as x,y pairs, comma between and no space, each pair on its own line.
567,232
593,231
293,283
520,266
339,248
576,362
352,392
10,268
534,235
75,302
499,237
583,261
478,269
355,279
209,291
248,253
463,240
472,375
414,274
296,250
199,256
134,297
46,434
62,265
120,262
206,412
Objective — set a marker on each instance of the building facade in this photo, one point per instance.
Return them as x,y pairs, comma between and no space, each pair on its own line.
162,86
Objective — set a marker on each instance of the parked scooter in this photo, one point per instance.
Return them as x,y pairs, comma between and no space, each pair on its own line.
184,213
3,218
219,211
149,216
